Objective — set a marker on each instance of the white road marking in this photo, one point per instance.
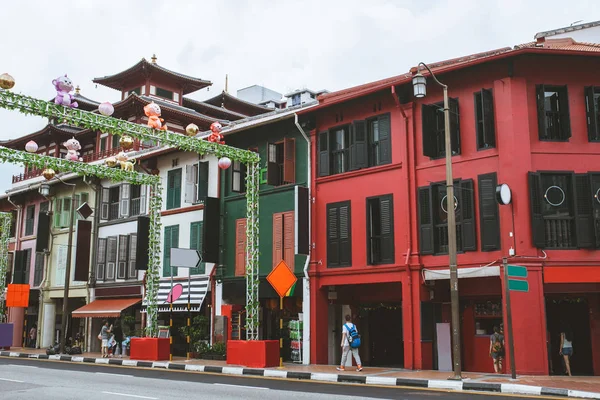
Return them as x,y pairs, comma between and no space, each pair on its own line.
131,395
108,373
11,380
22,366
241,386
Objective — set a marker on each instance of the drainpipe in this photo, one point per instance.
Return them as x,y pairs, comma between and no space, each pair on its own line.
95,230
19,222
306,279
44,284
408,300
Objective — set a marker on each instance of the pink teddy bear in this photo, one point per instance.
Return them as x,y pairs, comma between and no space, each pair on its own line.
63,87
73,148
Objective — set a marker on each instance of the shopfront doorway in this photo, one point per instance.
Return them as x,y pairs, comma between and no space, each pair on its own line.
569,312
384,338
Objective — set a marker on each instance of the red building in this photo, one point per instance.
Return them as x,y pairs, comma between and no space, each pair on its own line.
526,116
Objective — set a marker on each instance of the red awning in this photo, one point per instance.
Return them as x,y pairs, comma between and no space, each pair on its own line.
105,308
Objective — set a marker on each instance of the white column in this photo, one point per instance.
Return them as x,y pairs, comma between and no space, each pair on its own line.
218,297
306,321
49,318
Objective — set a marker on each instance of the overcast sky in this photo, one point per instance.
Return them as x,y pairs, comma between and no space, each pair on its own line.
283,45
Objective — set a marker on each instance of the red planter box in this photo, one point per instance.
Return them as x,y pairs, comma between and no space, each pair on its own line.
149,349
253,353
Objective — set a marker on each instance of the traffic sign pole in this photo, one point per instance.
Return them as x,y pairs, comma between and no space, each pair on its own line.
511,343
280,332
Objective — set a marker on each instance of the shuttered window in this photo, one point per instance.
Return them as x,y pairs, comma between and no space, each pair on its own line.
339,237
171,240
196,244
433,129
433,217
131,271
484,119
595,185
283,239
123,257
29,220
240,247
281,162
592,112
38,273
101,259
380,230
238,177
111,258
174,189
489,224
553,113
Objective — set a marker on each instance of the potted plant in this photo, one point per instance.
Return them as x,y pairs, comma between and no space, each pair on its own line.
198,332
219,351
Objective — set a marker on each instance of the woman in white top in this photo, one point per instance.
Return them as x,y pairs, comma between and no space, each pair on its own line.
566,348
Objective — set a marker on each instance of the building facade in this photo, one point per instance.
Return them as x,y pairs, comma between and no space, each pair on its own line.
380,252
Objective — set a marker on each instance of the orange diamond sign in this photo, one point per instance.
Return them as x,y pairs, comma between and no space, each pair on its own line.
17,295
281,278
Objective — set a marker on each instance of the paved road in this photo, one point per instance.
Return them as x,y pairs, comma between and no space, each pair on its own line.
32,379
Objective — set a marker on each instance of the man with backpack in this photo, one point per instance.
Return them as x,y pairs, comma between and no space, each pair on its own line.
497,349
350,343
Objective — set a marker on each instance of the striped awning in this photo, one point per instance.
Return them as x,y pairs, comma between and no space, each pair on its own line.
199,288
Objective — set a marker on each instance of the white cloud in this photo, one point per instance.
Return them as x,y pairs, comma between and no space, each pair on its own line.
283,45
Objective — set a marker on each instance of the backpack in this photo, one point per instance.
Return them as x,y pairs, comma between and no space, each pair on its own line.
353,336
497,345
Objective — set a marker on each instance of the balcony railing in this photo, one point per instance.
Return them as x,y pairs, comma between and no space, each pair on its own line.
560,232
86,158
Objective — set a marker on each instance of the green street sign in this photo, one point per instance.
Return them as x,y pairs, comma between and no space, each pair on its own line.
518,286
517,271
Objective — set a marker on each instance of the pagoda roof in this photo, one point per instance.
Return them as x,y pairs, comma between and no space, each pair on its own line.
230,102
56,131
208,108
167,107
120,81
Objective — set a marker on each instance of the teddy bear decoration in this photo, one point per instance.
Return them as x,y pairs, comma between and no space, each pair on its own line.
73,148
215,133
64,87
152,111
124,162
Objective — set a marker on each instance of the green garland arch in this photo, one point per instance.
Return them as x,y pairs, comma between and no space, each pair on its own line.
5,220
88,120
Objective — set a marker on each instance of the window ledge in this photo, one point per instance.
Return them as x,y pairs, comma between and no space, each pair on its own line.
359,172
182,210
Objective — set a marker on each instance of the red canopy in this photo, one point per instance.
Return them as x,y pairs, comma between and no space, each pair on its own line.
105,308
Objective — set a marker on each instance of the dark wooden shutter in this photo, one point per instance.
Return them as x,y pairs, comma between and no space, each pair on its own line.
289,160
358,145
595,194
469,231
196,233
489,127
111,257
243,178
488,213
131,270
123,256
142,246
429,125
211,228
345,234
385,139
18,276
538,234
288,239
240,247
38,273
101,259
323,153
565,119
104,207
333,236
277,239
174,189
591,113
541,110
83,250
273,177
125,192
584,218
454,126
43,232
425,221
171,240
202,181
386,205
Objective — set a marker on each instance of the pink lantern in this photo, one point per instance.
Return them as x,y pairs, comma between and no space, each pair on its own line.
106,109
31,146
224,162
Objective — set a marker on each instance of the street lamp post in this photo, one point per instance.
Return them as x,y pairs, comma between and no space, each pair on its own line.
44,190
420,90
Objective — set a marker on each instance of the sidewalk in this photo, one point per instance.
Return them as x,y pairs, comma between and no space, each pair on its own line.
562,386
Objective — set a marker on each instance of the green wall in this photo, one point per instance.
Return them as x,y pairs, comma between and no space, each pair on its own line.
272,199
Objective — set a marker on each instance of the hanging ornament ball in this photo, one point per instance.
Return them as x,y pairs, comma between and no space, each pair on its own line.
126,142
31,146
106,109
224,162
111,162
6,81
191,130
48,173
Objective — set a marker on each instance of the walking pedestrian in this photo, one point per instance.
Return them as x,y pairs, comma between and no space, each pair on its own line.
118,332
497,349
33,336
566,348
350,343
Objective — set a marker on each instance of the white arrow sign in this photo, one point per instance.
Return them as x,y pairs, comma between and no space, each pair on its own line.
185,258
